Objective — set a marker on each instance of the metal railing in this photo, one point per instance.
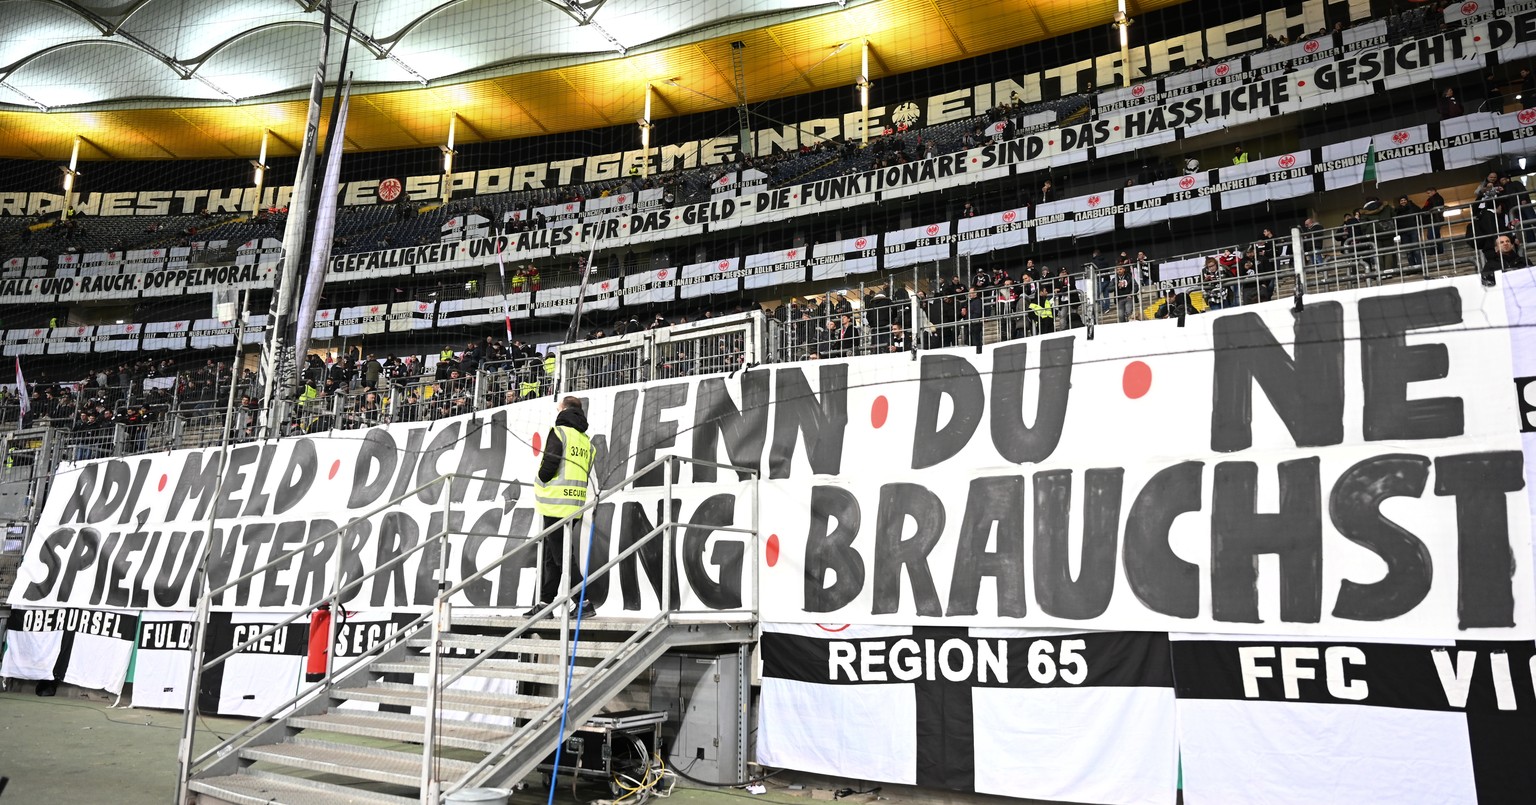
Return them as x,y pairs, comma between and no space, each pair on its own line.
714,345
437,621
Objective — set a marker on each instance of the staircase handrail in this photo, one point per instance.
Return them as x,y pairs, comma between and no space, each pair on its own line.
670,465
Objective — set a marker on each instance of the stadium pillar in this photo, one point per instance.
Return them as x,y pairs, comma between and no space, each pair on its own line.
645,136
448,158
864,91
69,177
260,164
1123,22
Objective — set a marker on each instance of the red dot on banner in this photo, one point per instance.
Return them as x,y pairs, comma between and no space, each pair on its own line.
163,479
1477,39
335,466
771,550
1137,379
1117,128
537,440
879,411
974,160
1301,83
1050,142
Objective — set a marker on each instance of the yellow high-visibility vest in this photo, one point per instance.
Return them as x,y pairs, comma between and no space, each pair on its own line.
567,491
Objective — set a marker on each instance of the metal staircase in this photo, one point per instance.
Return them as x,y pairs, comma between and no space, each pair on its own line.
493,684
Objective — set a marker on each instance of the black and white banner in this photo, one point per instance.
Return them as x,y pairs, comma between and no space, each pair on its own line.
89,648
1354,469
1355,721
1081,717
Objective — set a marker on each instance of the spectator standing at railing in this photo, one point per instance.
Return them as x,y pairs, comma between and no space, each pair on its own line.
1408,218
372,371
1377,216
1505,257
1145,269
1434,215
974,314
1213,282
896,339
1006,303
1124,288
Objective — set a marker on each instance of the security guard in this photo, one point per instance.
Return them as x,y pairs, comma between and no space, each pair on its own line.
559,491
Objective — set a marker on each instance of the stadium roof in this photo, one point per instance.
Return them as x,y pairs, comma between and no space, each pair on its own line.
157,79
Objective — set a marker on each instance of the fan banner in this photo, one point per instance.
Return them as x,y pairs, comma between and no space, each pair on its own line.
1354,468
89,648
1412,721
1059,716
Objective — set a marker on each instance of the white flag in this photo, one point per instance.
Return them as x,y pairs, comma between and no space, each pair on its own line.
23,397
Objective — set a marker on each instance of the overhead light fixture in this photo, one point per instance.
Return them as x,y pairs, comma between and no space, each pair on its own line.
420,79
30,99
615,43
215,87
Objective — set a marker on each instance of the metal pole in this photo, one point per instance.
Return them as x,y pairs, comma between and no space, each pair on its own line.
864,93
666,536
565,609
204,601
430,785
1298,262
757,539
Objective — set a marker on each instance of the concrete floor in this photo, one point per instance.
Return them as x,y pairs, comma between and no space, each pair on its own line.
75,749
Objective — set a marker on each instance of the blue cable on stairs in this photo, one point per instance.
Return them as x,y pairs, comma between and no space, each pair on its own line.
570,666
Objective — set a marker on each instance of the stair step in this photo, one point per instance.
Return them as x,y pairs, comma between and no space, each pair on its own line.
358,762
264,788
496,704
522,645
404,728
543,673
601,623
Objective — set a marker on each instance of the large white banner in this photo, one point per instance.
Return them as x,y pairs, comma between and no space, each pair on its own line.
1354,468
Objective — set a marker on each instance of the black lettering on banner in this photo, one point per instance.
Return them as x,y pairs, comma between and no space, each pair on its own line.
657,433
1307,392
300,475
286,537
48,554
1525,400
821,418
1087,596
994,501
1355,509
257,504
428,471
1481,482
1389,365
1014,440
894,554
829,549
635,524
182,547
1240,533
397,534
611,451
374,467
945,376
197,480
479,591
433,559
484,452
312,564
1161,581
729,555
356,535
78,502
115,478
744,429
601,525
